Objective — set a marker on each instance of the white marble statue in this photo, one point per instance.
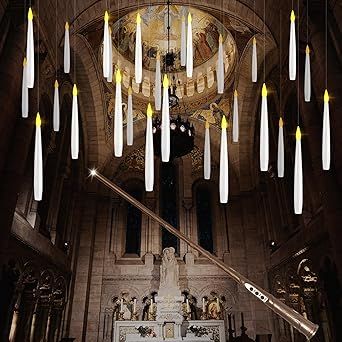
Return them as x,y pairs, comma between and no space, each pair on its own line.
169,272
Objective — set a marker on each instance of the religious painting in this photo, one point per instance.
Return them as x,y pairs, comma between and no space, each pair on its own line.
155,36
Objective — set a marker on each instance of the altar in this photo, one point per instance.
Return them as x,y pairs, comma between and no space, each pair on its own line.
169,314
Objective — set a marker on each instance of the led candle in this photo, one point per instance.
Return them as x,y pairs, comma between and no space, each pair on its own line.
235,117
189,49
38,162
264,147
138,52
207,154
298,175
56,112
24,92
30,51
165,124
254,61
66,48
220,68
149,152
130,117
74,125
224,183
292,48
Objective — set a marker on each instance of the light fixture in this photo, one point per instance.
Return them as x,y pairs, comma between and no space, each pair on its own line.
149,152
298,175
292,48
66,49
105,57
220,67
118,128
254,61
110,57
165,124
157,85
326,133
138,52
38,162
130,118
24,92
189,49
264,144
207,155
235,117
56,112
280,159
224,177
30,51
183,42
74,125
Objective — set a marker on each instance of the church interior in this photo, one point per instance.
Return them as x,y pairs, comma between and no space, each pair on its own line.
171,170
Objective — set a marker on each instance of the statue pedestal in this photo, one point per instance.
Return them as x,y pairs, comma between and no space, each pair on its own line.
169,316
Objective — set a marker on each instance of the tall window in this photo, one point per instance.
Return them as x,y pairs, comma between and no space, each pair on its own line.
204,218
169,207
133,224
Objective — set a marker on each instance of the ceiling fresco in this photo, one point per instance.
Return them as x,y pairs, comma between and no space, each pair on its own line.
206,30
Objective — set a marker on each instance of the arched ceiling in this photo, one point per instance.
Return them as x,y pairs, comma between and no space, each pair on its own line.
238,18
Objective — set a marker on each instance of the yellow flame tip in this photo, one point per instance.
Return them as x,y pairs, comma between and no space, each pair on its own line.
207,125
264,90
38,120
138,18
30,14
298,133
189,18
56,84
149,111
118,76
66,25
74,90
165,81
292,16
326,95
224,123
106,17
281,122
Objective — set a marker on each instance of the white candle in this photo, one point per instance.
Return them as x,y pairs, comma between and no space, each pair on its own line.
134,305
151,306
203,304
121,305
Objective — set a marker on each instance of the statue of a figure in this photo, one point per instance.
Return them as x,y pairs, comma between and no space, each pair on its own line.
169,271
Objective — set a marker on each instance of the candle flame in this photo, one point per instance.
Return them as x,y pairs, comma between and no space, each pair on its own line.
30,14
118,76
281,122
56,84
106,17
189,18
138,18
165,82
66,25
74,90
149,111
38,120
224,123
298,133
292,16
264,90
326,96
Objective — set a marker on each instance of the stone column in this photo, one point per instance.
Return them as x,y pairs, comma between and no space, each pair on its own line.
33,322
14,324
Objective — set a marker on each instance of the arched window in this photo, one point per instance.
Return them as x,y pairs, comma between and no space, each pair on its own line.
169,202
204,218
133,222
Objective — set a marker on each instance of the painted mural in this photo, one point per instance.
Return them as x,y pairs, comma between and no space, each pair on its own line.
206,30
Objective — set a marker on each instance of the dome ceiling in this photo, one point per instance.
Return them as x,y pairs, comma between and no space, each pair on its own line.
206,30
